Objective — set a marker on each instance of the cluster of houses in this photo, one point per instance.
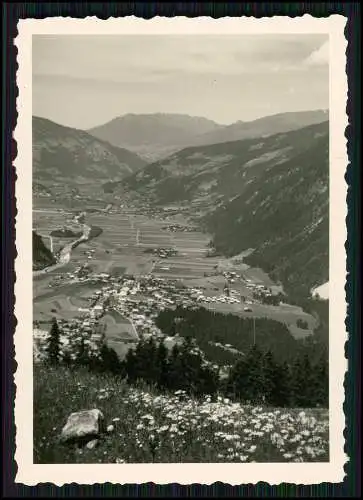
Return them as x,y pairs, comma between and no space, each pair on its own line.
139,300
262,293
231,276
89,253
161,252
173,228
71,333
228,298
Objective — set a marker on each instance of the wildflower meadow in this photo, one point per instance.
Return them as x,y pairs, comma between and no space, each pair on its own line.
147,426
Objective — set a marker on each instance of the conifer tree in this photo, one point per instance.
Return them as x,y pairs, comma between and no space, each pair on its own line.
82,355
302,382
53,343
162,365
281,392
130,365
269,376
255,379
149,366
321,382
237,378
109,360
208,381
191,366
175,374
67,359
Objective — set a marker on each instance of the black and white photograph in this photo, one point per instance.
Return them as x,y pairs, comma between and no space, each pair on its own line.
181,248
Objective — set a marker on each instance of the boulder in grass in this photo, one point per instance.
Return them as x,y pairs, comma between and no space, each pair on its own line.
83,426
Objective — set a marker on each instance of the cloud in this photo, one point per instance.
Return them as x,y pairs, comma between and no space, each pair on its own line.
122,58
319,57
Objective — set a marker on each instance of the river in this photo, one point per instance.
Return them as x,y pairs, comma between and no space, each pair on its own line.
65,253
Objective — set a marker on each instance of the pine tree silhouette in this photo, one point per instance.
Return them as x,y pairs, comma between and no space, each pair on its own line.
109,359
162,365
82,355
238,379
269,376
174,368
67,359
149,367
302,381
246,379
281,392
255,384
53,343
130,365
321,382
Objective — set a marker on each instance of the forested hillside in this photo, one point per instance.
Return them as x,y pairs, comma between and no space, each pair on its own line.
42,256
284,216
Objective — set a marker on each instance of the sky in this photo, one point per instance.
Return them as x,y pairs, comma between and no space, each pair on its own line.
83,81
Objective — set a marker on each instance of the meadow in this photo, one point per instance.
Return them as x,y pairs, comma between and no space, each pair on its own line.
148,426
61,302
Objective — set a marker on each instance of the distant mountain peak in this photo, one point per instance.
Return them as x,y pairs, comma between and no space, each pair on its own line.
155,136
155,133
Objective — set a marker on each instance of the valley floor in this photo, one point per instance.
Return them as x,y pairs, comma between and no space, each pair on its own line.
122,248
169,428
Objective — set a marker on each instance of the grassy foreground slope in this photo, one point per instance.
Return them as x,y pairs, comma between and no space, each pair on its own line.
154,427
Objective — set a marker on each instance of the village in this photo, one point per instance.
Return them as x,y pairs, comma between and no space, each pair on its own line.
125,308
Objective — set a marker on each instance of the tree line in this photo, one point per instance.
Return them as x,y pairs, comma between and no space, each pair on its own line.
256,377
210,327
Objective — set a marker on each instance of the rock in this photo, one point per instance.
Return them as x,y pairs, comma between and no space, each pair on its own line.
92,444
82,424
110,428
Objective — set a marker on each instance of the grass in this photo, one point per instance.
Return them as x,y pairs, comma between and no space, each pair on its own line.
154,427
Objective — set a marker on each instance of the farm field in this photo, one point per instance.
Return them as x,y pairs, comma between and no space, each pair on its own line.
61,302
119,328
123,242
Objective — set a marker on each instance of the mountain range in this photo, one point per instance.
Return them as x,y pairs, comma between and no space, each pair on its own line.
63,154
156,136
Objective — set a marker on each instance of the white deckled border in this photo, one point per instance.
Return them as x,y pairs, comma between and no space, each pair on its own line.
234,474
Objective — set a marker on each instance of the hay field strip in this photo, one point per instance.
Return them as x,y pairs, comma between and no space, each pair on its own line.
119,328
